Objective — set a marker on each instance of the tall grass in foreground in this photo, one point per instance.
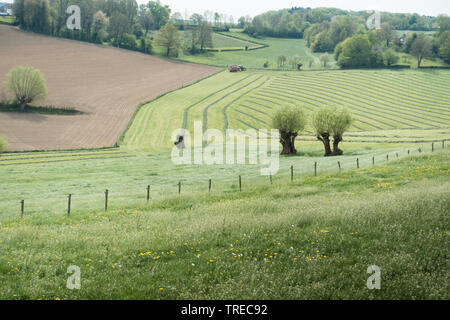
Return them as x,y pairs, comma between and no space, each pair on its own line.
311,239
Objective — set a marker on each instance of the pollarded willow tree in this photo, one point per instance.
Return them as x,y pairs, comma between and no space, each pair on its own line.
321,123
342,121
331,122
290,121
26,84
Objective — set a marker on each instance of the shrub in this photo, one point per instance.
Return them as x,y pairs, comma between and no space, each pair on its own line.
390,57
129,41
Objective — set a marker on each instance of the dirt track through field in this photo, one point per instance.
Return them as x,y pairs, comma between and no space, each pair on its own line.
105,83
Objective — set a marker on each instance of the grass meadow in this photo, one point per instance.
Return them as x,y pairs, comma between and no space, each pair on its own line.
310,239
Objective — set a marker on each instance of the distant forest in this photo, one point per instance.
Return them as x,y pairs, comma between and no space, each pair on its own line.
292,23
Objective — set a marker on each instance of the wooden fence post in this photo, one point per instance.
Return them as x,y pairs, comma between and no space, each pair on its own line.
292,174
373,161
409,151
148,193
339,165
432,147
315,169
22,208
209,185
69,203
357,163
396,154
179,187
270,177
106,199
387,157
240,183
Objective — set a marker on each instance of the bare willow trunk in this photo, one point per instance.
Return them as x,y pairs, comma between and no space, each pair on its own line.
22,105
287,140
325,138
336,150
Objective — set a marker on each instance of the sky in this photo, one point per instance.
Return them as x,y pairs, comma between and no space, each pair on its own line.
238,8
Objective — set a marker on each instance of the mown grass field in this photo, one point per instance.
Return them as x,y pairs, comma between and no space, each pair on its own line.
236,39
221,41
311,239
388,106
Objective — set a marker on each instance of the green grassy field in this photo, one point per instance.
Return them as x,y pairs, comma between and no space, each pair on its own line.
257,58
310,239
7,19
221,41
235,39
388,106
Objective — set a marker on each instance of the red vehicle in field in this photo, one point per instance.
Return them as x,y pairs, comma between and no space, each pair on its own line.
235,68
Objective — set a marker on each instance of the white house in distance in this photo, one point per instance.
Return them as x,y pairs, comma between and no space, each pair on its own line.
5,9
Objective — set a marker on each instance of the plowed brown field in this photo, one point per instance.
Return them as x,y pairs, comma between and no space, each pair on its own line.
105,83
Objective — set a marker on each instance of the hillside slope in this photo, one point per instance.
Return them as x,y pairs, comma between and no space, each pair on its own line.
105,83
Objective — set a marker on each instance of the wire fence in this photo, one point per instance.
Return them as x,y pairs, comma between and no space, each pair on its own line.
290,172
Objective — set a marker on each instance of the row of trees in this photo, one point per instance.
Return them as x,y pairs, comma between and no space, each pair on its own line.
374,49
328,123
277,24
294,22
120,22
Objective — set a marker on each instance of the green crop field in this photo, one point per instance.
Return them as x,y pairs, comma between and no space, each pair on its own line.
388,106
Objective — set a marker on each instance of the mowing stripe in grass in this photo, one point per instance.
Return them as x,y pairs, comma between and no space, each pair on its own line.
396,88
224,109
246,124
322,103
250,116
361,107
315,106
258,104
363,112
65,160
382,85
368,86
61,156
345,90
186,111
387,109
254,109
227,95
